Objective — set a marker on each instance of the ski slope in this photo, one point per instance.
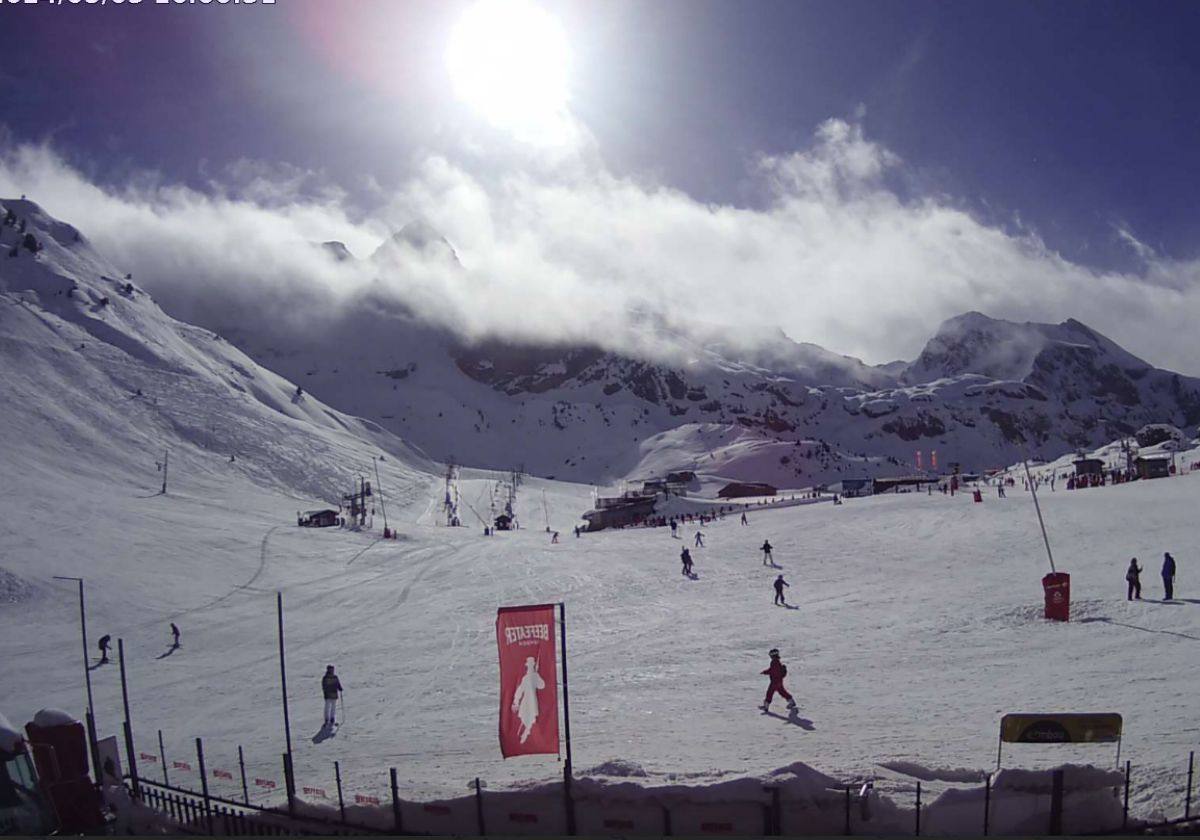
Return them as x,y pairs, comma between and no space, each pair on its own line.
917,625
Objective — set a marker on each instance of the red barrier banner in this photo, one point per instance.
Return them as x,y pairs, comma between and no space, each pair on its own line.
222,774
311,791
181,765
528,674
147,757
265,783
359,799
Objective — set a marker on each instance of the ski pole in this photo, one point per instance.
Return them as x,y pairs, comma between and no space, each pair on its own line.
342,698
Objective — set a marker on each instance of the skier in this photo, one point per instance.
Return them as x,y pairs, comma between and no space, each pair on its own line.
174,635
686,557
554,538
103,643
1168,576
699,540
776,671
780,583
576,532
768,560
331,687
674,526
1132,576
744,521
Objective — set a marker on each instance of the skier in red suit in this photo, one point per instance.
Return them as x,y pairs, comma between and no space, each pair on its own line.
777,671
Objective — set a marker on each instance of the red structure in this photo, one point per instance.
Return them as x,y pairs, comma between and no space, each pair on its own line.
1057,586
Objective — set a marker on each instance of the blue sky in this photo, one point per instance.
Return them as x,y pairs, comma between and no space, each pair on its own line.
1075,124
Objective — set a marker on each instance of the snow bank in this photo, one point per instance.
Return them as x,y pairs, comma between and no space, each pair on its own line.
11,741
53,717
935,774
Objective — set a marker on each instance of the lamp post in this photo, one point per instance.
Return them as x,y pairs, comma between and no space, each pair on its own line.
87,676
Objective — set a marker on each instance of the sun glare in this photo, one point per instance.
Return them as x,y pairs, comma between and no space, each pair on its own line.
508,59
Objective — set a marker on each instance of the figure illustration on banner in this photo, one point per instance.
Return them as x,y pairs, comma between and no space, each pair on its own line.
525,703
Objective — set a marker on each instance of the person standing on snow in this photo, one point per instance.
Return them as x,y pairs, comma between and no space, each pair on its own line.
331,687
744,520
1133,578
1168,576
768,560
685,557
780,583
103,643
174,635
776,671
699,540
674,527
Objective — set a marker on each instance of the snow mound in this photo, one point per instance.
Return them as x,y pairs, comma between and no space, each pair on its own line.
10,739
13,590
53,717
618,768
1076,777
935,774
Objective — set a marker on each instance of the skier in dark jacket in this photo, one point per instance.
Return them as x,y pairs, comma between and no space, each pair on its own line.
686,557
174,635
780,583
103,643
776,671
1168,576
1133,578
331,687
766,550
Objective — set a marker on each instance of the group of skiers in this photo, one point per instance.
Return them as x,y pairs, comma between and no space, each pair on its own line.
105,643
1133,579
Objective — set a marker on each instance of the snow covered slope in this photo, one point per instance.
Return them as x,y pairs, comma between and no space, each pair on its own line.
97,379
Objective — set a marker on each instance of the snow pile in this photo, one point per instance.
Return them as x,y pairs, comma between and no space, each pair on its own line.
46,718
14,590
11,741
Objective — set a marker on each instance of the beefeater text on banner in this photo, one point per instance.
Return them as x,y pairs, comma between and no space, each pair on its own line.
528,680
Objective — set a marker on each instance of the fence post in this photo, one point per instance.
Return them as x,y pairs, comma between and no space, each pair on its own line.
668,830
776,812
479,806
918,830
987,801
1187,802
204,784
1125,807
162,754
289,782
128,727
396,803
1056,803
242,767
337,774
847,810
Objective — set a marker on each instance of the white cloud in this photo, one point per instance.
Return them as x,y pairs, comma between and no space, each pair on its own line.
568,252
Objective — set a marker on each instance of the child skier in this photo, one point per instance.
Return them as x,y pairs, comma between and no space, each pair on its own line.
699,540
776,671
686,557
331,687
1133,578
766,550
780,583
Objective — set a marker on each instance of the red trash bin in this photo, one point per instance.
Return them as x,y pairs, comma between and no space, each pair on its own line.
1057,586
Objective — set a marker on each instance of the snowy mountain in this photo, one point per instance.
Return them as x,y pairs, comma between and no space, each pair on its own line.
983,393
94,374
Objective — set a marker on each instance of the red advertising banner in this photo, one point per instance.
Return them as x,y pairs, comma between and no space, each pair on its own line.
528,680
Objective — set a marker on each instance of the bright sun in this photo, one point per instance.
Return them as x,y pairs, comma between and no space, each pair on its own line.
508,59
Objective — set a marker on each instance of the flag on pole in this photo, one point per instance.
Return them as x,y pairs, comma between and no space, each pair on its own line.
528,680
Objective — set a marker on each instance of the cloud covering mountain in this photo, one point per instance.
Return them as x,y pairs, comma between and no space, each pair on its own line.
838,247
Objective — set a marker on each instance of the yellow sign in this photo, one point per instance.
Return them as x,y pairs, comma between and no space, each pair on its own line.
1082,728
